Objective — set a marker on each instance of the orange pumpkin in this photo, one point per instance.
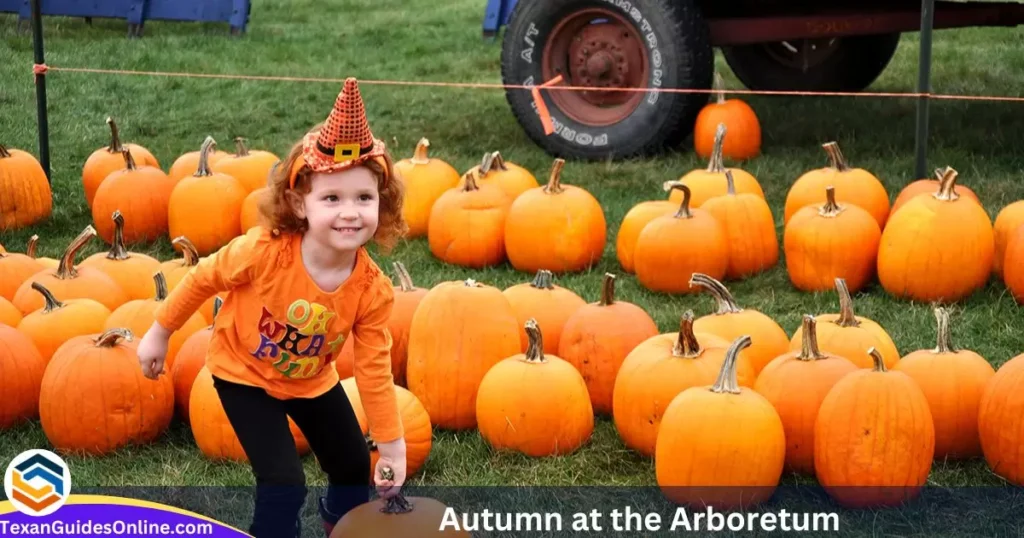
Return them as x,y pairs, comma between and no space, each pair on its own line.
722,446
1001,421
633,223
1009,219
9,315
207,206
545,302
21,376
657,370
133,271
190,359
250,167
922,237
250,214
141,195
875,455
175,270
1013,268
730,322
407,300
849,335
16,268
953,381
673,247
709,182
186,164
829,241
25,194
59,321
73,415
796,382
510,178
856,186
415,423
749,230
107,160
425,179
737,116
928,186
459,330
598,336
71,282
557,227
397,516
467,225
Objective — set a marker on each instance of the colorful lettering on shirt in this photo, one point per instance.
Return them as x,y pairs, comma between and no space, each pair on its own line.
294,347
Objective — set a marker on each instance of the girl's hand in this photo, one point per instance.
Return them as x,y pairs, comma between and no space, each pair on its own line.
392,458
153,350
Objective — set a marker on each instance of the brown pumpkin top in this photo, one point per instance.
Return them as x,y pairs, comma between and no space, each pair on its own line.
947,185
397,504
469,182
404,278
830,209
876,357
419,155
715,163
535,348
726,381
160,282
719,87
687,346
944,338
51,302
66,268
110,337
4,154
30,250
809,341
117,249
544,280
115,138
209,145
607,290
723,298
492,161
847,318
241,149
554,185
189,253
835,156
129,161
684,207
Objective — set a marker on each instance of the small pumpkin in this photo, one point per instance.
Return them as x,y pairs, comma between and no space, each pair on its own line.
131,270
16,268
249,216
598,336
924,235
729,321
21,376
107,160
633,223
59,321
874,438
1013,268
250,167
749,230
467,225
853,185
187,163
190,359
709,182
407,300
550,305
1001,421
953,381
738,116
141,194
425,179
823,242
74,416
928,186
415,423
1009,219
849,335
25,194
207,206
796,382
722,446
558,227
511,178
9,315
396,516
673,247
175,270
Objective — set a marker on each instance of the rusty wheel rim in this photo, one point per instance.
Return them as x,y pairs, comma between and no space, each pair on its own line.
802,54
596,47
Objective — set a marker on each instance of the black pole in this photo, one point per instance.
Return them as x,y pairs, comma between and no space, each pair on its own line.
44,130
924,85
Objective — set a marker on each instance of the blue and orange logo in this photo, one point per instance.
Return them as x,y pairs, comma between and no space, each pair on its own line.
37,482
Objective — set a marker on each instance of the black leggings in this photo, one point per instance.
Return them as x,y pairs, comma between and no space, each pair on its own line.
333,433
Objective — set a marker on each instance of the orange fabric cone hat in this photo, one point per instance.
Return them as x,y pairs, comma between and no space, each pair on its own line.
345,139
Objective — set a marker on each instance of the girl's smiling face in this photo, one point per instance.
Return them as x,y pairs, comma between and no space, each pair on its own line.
341,208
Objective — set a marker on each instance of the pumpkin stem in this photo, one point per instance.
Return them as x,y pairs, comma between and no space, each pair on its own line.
809,341
492,161
719,86
129,161
684,207
110,337
543,280
469,182
723,299
51,302
397,504
30,251
3,152
203,170
554,185
687,346
726,381
535,347
847,318
607,290
115,137
947,186
730,183
241,150
877,358
188,250
831,209
945,338
715,163
835,156
117,249
404,279
419,155
161,286
66,268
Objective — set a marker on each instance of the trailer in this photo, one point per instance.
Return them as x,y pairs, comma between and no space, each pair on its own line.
768,44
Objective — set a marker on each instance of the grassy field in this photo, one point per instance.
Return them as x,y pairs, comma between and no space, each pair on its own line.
397,39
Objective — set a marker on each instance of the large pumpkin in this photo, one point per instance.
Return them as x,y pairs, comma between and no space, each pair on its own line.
534,403
853,185
1001,421
927,186
920,243
706,183
141,195
25,194
95,398
1009,219
21,376
61,320
186,364
467,225
407,300
425,179
953,381
633,223
207,206
415,423
749,229
722,446
133,271
737,116
875,455
1013,268
107,160
550,305
557,227
509,177
175,270
249,216
250,167
411,517
598,337
459,330
16,268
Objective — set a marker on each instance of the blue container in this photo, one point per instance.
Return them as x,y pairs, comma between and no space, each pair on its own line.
137,12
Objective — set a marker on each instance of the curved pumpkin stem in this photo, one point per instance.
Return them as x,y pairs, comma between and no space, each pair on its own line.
835,156
110,337
726,381
809,341
684,207
66,267
188,250
492,161
241,150
944,336
607,290
730,183
831,208
724,300
419,155
203,170
470,283
397,504
51,302
115,137
719,87
878,360
30,250
160,282
687,346
469,182
715,164
847,318
129,161
543,280
535,347
404,279
947,186
4,154
554,185
117,249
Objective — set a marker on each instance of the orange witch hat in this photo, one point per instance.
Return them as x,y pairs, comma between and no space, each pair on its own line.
344,140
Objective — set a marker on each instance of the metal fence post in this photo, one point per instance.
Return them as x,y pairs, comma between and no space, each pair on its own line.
924,86
44,130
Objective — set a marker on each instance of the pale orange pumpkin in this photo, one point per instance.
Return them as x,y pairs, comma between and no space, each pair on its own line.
21,376
737,116
9,315
1013,268
511,178
1009,219
250,214
396,516
467,225
61,320
16,268
407,300
425,179
250,167
187,163
133,271
633,223
107,160
207,206
853,185
25,194
1001,421
190,359
709,182
175,270
418,432
141,194
550,305
749,230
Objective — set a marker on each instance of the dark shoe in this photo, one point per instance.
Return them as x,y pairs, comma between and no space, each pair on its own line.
329,518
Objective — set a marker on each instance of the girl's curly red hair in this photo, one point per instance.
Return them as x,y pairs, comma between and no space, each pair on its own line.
276,213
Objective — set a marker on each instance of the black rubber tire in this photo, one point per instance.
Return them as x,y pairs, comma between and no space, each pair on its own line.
682,41
856,62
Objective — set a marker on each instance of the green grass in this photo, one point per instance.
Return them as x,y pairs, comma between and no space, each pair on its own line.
395,39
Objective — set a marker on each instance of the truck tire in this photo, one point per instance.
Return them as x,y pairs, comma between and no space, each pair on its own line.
846,64
608,43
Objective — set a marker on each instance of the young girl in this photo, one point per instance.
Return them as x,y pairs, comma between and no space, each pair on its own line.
295,291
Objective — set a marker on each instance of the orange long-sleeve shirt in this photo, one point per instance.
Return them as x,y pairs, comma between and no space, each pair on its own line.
278,330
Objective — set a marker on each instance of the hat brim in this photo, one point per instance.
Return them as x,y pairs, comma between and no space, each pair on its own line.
323,163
